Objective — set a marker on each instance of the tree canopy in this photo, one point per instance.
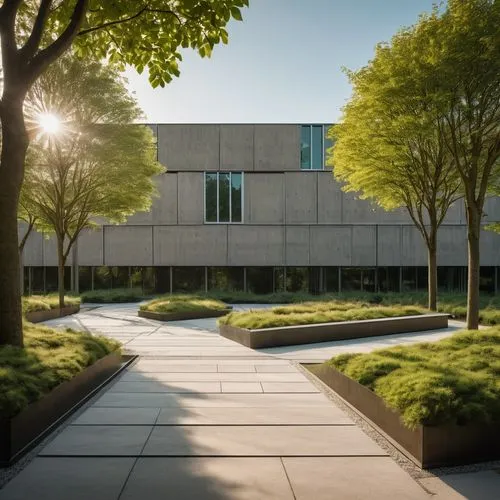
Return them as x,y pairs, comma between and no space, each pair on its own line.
99,164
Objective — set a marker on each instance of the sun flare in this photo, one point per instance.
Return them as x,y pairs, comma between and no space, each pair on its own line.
49,123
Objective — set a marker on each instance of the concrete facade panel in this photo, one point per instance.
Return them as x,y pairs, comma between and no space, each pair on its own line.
189,147
190,197
301,190
297,246
90,251
50,257
330,246
491,210
490,248
128,246
357,211
33,249
456,213
452,246
276,147
329,199
190,245
264,198
236,147
164,209
364,246
389,245
413,249
256,245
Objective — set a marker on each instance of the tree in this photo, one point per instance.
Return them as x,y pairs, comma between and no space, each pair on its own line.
390,158
454,77
35,33
99,164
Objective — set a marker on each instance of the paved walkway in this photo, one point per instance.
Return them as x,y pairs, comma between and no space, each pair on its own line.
201,417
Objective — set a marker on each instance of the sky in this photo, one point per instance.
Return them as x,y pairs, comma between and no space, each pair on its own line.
283,63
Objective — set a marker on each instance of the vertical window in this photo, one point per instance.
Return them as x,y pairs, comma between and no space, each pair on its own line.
327,145
311,147
224,197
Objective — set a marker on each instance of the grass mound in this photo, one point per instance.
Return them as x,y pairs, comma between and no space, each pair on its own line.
48,358
46,302
455,380
114,296
313,313
183,303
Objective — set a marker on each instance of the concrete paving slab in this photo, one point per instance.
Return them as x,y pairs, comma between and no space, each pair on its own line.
213,377
152,386
175,368
242,387
118,416
64,478
208,479
236,368
288,415
483,485
260,441
289,387
349,478
158,400
78,440
275,369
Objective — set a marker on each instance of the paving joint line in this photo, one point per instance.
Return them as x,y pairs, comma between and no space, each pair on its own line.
288,478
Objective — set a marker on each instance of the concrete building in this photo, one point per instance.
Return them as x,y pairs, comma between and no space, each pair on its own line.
253,207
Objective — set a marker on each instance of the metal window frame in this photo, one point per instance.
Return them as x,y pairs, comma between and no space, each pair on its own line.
322,152
217,174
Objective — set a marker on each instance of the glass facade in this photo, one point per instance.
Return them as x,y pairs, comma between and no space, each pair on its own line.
224,197
260,280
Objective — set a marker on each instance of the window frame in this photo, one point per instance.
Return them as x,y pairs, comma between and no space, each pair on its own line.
230,197
324,128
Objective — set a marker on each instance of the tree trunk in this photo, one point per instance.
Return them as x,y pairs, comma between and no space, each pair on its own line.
432,276
473,234
14,146
61,261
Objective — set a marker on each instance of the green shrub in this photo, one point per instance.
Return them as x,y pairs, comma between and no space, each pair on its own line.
115,295
455,380
183,303
313,313
45,302
48,358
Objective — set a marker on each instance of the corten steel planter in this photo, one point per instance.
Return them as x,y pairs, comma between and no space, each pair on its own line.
22,432
38,316
427,446
326,332
180,316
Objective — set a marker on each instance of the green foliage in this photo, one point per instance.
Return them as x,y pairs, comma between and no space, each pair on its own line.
455,380
314,312
48,358
183,303
115,295
143,33
45,302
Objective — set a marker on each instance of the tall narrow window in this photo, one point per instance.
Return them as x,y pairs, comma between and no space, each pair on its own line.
312,147
224,197
305,147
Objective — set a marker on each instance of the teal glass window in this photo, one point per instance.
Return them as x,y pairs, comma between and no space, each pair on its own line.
305,147
224,197
312,147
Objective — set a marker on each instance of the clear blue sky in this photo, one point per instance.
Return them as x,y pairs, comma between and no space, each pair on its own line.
283,63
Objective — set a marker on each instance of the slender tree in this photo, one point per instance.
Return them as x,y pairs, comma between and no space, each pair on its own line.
96,164
453,76
395,161
35,33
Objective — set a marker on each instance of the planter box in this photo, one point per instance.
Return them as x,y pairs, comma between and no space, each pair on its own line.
38,316
180,316
326,332
23,431
427,446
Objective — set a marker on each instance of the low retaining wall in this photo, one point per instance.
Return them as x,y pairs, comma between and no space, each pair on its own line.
326,332
427,446
23,431
39,316
180,316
